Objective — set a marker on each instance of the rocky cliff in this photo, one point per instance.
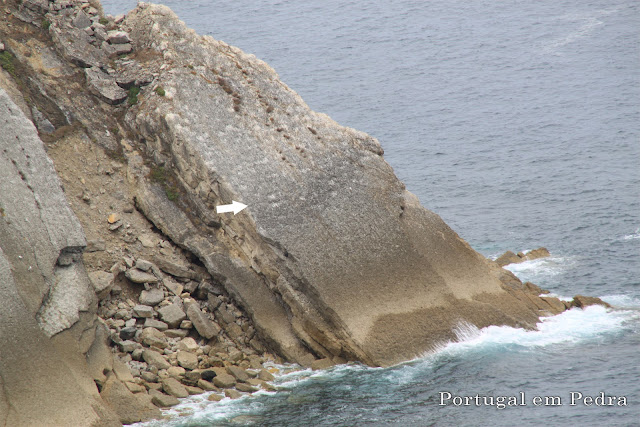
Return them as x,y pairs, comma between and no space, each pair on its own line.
150,127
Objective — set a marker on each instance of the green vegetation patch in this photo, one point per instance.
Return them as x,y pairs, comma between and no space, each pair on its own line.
160,176
45,24
6,62
133,95
160,91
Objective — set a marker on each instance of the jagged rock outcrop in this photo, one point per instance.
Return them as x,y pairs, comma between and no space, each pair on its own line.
333,256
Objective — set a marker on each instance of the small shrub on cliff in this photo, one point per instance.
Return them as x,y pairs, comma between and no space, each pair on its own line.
133,95
158,174
160,90
45,24
172,193
6,62
103,21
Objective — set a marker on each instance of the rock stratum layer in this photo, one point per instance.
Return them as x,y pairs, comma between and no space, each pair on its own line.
150,127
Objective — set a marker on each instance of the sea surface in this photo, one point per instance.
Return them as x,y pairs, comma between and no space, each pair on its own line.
517,122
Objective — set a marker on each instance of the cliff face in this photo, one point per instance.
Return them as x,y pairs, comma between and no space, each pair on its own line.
333,255
333,259
44,291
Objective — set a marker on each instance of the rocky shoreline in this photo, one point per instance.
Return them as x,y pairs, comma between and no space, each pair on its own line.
165,299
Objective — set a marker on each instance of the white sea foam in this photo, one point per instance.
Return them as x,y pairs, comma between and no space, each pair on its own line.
635,235
571,326
542,269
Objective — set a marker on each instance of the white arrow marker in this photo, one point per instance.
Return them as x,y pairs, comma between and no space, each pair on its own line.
234,207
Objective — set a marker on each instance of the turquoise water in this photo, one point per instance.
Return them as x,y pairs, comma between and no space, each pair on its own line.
517,122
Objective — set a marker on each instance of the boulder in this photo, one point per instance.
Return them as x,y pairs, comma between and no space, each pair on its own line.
176,372
81,20
130,407
238,373
224,380
206,385
142,311
536,254
154,338
105,87
320,364
163,400
265,375
139,276
508,258
156,359
172,315
172,387
174,269
118,37
187,360
128,333
205,327
102,283
188,344
582,301
245,388
232,394
176,333
156,324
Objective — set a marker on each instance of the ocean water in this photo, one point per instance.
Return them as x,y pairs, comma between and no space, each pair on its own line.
518,123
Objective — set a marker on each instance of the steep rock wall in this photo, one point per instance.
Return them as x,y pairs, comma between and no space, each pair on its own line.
333,255
44,290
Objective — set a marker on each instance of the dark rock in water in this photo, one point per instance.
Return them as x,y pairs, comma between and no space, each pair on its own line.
582,301
508,258
322,364
557,306
512,258
537,253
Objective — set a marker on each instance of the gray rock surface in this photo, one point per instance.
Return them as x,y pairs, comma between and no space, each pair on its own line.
172,315
332,254
105,86
201,322
41,297
151,297
137,276
156,359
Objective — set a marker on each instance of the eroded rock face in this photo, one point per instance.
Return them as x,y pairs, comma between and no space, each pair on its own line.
333,255
44,289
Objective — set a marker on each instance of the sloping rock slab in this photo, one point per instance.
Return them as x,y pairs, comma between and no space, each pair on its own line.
333,253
